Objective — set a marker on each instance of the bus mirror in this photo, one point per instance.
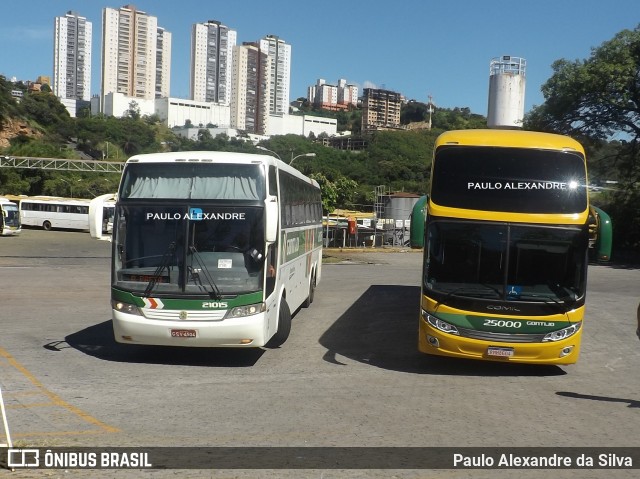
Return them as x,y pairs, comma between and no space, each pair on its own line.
271,219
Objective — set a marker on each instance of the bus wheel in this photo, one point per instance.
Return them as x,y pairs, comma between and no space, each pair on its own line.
284,326
46,226
312,291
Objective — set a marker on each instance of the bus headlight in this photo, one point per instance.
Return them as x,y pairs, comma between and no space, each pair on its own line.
248,310
439,324
562,333
125,307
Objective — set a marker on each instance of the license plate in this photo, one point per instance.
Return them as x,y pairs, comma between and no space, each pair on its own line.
184,333
501,352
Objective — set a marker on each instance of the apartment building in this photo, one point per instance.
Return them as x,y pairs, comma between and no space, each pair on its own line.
136,54
251,89
322,94
163,63
72,57
347,93
212,46
333,97
380,110
279,53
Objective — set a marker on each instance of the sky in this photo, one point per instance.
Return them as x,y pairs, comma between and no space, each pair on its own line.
419,48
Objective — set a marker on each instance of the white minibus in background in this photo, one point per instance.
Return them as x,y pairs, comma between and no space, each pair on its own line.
49,212
9,218
101,211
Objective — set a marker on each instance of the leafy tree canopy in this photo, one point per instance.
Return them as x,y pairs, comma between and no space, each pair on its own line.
597,100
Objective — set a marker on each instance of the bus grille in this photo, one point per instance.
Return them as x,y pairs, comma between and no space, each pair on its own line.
179,315
500,337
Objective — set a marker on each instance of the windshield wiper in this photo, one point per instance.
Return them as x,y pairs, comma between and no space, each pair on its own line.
563,292
166,257
215,292
541,298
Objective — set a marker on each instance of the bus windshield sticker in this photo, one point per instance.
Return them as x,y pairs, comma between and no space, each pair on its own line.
514,291
225,263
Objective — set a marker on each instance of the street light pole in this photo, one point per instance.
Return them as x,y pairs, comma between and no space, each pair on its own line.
304,154
68,182
265,149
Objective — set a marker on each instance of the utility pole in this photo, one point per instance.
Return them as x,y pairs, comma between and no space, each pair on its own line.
430,109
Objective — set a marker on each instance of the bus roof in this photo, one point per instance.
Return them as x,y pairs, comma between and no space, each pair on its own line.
509,138
195,156
218,156
54,199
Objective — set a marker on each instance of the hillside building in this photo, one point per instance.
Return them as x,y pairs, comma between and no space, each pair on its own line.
136,54
333,97
72,61
279,53
72,57
212,46
250,89
380,110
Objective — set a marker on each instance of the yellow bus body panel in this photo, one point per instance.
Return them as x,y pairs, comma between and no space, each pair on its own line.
532,353
509,139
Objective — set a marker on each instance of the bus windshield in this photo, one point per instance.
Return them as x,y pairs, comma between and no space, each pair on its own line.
218,181
509,262
521,180
11,217
192,250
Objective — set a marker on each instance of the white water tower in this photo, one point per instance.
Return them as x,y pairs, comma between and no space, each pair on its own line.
506,92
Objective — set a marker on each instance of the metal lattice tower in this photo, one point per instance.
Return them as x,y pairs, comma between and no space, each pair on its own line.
61,164
378,207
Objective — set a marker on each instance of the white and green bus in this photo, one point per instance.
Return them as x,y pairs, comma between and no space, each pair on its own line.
9,218
213,249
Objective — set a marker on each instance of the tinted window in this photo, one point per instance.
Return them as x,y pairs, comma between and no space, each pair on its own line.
509,179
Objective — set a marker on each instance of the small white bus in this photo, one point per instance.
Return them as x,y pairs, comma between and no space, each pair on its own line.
49,212
101,211
9,218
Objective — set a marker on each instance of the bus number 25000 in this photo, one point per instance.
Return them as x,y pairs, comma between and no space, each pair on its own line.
498,323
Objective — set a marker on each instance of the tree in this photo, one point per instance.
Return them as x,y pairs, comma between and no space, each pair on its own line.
595,100
596,97
329,192
134,110
47,110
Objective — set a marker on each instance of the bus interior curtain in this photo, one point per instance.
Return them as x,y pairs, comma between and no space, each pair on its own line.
226,187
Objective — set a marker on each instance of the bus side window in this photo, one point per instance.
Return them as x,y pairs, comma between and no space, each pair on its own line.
273,183
271,264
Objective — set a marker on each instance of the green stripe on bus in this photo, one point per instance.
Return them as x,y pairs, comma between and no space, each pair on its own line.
298,243
190,304
504,324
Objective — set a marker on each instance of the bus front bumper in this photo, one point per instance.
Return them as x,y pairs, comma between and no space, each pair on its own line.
244,332
435,342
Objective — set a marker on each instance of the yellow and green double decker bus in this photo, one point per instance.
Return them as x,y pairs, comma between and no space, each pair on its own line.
506,243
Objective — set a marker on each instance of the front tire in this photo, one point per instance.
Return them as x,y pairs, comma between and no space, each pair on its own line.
284,326
46,226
